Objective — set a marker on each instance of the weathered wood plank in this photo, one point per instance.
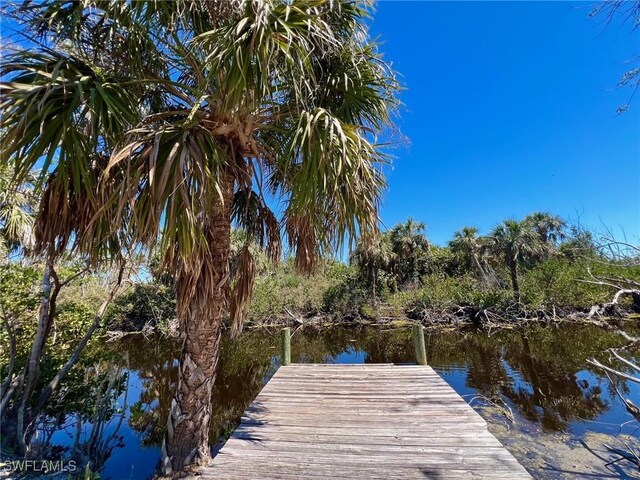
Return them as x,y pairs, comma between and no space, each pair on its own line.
237,471
382,417
228,467
361,421
402,450
362,389
378,415
395,460
450,438
303,468
439,429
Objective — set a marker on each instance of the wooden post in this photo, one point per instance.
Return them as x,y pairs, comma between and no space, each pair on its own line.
418,342
286,346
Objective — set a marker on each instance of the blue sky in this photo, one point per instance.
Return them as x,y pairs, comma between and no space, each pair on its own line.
510,107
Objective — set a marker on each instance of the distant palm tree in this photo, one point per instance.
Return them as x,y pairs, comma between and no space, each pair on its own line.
467,244
513,242
158,124
372,254
550,228
409,244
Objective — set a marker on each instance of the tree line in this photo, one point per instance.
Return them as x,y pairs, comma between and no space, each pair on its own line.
562,266
404,253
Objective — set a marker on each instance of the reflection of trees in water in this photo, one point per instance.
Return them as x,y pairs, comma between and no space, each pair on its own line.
555,396
105,422
486,371
321,345
244,365
546,389
94,428
394,346
155,365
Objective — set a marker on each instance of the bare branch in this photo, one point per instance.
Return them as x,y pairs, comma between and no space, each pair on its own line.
596,363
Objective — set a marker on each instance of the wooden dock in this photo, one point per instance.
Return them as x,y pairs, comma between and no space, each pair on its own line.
379,421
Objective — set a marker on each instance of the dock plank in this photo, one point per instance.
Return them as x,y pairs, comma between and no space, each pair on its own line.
361,421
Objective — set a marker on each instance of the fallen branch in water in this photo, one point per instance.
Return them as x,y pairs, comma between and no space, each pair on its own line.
596,363
503,407
630,454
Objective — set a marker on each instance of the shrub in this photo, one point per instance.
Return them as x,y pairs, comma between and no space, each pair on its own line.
559,283
449,293
146,303
283,287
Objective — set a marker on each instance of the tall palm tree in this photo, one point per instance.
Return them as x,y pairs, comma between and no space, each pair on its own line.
550,228
158,124
467,244
372,254
514,242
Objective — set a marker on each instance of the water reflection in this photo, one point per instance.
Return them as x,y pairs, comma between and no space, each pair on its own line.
541,373
85,438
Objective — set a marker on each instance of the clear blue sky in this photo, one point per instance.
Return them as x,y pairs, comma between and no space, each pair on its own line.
510,107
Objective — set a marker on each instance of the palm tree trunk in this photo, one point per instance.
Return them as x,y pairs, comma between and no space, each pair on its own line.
202,294
513,267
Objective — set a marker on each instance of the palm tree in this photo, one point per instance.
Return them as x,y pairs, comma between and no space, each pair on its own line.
159,124
410,245
471,248
373,254
17,206
514,242
550,228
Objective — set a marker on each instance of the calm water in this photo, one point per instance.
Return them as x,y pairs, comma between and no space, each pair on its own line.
540,375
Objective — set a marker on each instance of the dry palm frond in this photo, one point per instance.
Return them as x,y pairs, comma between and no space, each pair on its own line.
304,240
254,217
242,289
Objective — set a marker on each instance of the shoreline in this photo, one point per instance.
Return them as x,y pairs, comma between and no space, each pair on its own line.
616,324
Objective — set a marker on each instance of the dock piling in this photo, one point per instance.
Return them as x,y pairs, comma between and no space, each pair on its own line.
286,346
418,342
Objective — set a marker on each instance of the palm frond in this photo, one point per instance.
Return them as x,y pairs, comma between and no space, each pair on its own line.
242,289
258,221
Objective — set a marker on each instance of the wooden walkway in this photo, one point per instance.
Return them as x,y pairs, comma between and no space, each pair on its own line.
378,421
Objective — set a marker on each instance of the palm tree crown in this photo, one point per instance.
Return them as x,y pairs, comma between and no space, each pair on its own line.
466,241
372,254
550,228
409,237
472,250
410,246
515,242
